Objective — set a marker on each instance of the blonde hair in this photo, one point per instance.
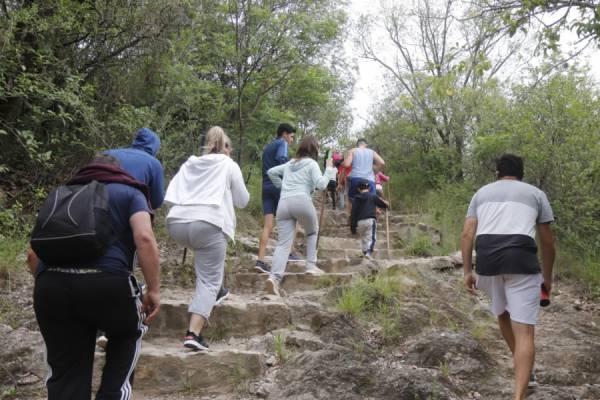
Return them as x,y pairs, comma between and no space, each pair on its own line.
216,141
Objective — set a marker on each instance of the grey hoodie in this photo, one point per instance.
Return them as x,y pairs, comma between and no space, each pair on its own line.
298,177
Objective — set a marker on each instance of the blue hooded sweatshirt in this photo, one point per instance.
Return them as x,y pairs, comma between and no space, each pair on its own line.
140,161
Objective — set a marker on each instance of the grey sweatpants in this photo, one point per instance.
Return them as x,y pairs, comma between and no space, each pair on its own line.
291,210
210,246
367,230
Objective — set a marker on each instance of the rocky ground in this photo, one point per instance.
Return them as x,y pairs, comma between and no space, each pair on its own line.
424,338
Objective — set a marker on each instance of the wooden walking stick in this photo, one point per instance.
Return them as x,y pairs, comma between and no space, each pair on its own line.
387,231
387,220
389,196
324,202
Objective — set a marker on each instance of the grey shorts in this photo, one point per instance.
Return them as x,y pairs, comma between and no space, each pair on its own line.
519,294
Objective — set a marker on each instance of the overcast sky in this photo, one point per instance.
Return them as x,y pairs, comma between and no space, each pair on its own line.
370,78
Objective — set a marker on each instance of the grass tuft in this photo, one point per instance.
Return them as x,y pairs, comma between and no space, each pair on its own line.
420,245
12,255
368,294
280,349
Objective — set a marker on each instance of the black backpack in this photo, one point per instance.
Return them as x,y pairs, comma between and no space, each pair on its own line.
73,225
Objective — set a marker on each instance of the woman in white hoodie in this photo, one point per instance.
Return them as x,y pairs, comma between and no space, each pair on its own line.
204,192
297,179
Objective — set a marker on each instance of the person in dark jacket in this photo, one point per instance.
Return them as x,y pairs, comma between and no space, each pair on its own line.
140,161
363,217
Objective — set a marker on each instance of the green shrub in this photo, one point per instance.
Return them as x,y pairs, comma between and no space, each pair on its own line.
420,245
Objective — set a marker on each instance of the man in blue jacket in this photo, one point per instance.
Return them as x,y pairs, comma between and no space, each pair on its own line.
274,154
140,161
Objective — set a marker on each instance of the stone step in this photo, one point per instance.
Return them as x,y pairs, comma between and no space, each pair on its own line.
400,227
401,233
342,214
248,282
331,265
237,316
437,263
166,367
338,228
378,254
347,243
347,248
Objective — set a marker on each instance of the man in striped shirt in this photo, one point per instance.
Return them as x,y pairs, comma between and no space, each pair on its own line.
503,218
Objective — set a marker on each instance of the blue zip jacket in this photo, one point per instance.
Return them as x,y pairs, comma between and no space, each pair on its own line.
140,161
274,154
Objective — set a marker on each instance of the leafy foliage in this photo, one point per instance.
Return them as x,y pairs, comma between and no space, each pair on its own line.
553,123
555,16
81,76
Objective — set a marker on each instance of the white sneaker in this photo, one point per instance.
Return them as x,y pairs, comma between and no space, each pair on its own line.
101,342
532,381
313,269
272,286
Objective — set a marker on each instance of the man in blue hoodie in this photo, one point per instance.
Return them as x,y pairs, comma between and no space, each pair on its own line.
141,163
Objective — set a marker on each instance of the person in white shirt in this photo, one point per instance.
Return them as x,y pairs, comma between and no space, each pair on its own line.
331,173
203,194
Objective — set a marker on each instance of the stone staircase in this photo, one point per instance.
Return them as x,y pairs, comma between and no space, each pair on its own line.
243,329
435,341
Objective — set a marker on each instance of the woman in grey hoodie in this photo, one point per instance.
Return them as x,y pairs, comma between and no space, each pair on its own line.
204,192
297,178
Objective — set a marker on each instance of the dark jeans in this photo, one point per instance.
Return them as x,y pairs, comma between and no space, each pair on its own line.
70,308
331,188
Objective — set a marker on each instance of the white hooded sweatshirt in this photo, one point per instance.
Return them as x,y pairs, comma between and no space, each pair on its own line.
205,189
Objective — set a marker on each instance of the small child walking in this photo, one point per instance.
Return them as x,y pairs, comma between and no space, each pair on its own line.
363,216
331,173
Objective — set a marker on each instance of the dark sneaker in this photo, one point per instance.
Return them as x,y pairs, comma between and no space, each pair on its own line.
532,381
222,295
194,342
262,267
294,257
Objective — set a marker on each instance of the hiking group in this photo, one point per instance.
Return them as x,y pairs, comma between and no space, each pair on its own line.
83,252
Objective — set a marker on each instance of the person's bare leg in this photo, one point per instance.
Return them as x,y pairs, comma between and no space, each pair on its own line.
196,323
506,328
264,236
524,356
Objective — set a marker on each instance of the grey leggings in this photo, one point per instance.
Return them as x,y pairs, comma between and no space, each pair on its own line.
210,245
291,210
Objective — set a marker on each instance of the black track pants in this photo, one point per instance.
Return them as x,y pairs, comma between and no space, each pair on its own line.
332,189
70,308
